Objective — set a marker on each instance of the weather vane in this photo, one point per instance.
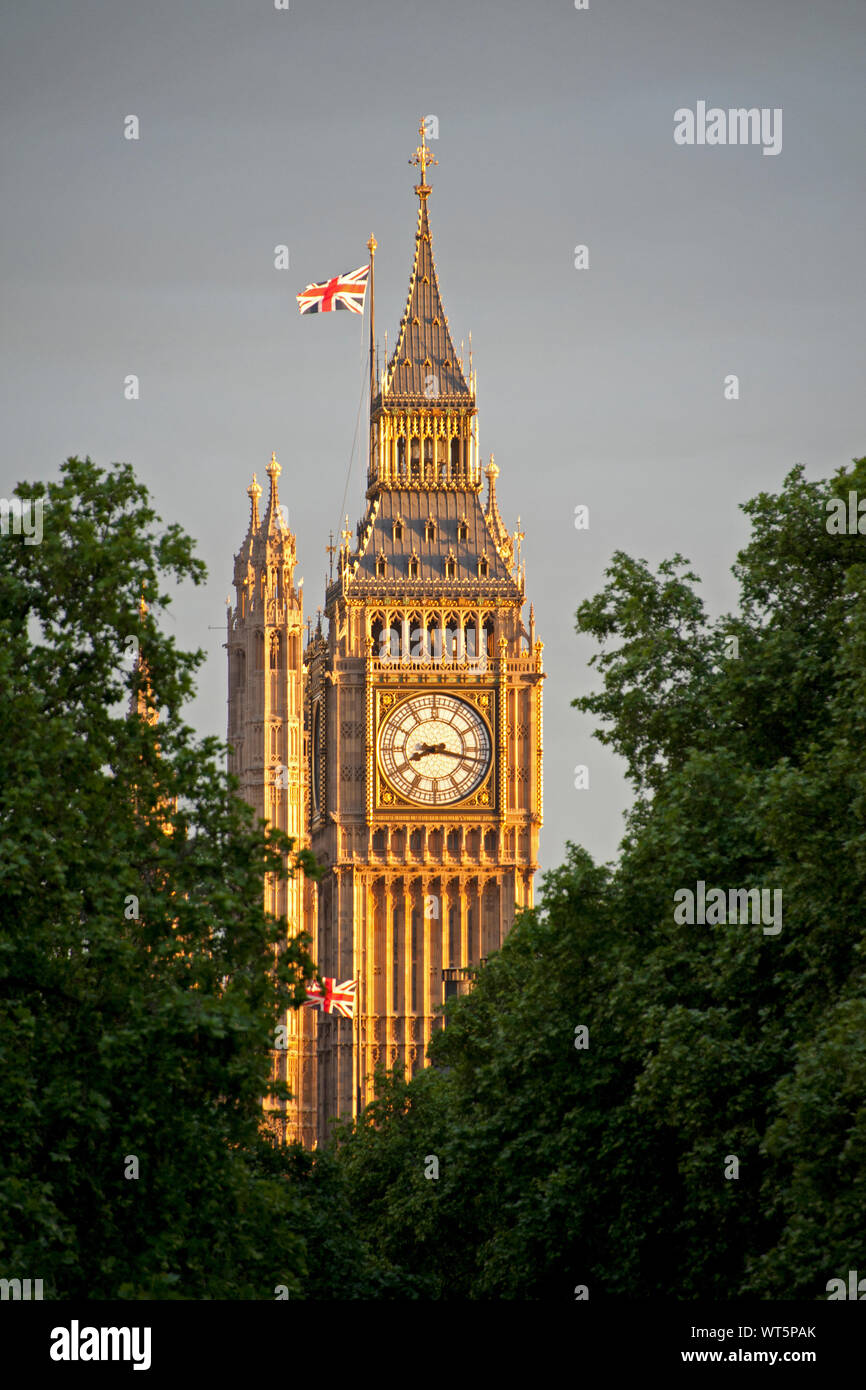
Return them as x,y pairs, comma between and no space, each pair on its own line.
423,155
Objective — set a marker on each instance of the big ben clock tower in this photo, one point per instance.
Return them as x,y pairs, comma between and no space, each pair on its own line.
422,714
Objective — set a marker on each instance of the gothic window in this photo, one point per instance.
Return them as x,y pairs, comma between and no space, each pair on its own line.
381,565
428,451
414,458
415,953
398,528
413,567
430,529
455,457
260,651
434,639
401,455
450,567
483,567
397,956
240,662
462,529
490,842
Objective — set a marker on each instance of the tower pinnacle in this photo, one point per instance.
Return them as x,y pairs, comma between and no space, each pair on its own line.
422,157
254,492
274,517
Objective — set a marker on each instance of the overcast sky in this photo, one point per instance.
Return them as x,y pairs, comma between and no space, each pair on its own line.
602,386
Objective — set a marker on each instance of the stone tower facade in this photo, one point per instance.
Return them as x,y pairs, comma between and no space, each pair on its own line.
266,739
422,713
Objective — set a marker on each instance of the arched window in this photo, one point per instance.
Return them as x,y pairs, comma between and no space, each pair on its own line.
381,566
450,567
462,529
416,637
413,567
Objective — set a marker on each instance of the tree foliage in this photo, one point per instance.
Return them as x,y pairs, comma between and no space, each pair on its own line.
611,1166
140,979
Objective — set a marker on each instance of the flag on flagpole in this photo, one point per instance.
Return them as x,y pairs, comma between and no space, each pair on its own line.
334,998
343,292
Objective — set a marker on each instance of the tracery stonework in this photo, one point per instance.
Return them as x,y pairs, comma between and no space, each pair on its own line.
409,728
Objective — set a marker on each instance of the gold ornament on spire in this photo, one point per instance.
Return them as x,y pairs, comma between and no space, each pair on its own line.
422,157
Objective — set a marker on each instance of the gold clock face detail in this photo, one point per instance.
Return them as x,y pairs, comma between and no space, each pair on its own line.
435,749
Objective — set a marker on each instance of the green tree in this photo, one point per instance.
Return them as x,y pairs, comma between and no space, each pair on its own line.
613,1165
140,978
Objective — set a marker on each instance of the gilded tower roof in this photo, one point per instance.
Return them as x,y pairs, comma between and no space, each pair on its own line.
424,363
424,348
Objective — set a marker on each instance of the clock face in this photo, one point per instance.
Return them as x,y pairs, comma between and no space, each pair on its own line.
435,749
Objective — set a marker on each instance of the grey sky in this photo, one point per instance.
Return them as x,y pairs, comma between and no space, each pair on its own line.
602,386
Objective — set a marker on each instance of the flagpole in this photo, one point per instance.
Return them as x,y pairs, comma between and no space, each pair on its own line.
371,247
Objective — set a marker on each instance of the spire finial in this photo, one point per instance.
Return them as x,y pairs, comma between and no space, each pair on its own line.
422,157
254,492
273,515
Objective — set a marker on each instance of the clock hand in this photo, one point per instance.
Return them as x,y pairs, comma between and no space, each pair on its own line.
437,748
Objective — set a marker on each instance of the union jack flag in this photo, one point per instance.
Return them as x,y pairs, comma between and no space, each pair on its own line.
334,998
343,292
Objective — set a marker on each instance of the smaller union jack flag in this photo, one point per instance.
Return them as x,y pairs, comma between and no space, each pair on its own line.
343,292
334,998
